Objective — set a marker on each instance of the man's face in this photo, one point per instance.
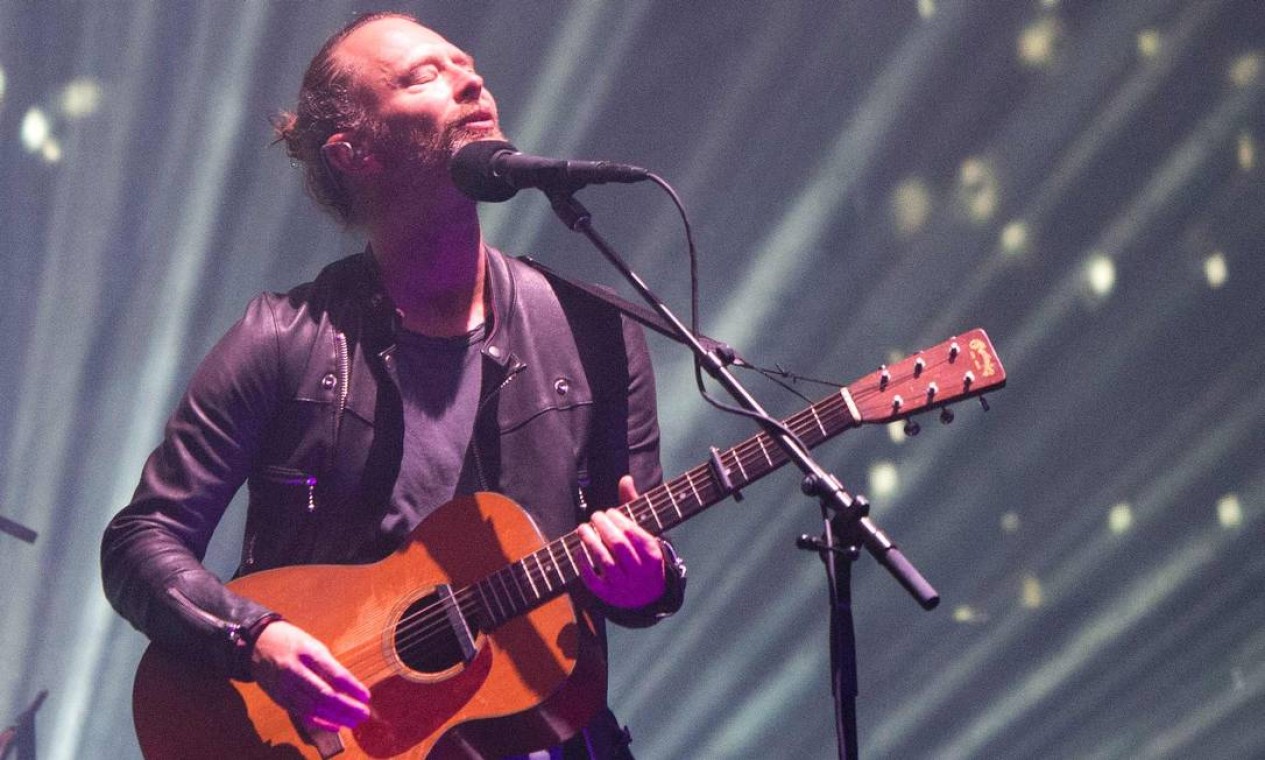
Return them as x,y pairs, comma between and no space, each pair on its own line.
422,90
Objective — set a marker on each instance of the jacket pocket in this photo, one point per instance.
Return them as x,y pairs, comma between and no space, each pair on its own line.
287,485
280,523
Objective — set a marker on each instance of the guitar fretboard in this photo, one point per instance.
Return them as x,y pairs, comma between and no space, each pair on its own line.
542,575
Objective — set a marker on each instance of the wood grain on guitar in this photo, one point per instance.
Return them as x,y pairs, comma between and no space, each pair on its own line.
466,636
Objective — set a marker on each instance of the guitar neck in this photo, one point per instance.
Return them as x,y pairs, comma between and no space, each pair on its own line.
694,491
958,368
522,585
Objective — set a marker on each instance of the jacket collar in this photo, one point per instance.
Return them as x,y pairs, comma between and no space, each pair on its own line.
502,297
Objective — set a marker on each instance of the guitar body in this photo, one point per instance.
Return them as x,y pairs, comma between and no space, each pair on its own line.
532,681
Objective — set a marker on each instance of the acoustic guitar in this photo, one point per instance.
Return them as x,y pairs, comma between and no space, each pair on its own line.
466,636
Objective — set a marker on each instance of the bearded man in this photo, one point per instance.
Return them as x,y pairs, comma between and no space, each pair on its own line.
426,367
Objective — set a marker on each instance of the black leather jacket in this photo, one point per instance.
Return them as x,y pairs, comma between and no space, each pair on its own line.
299,399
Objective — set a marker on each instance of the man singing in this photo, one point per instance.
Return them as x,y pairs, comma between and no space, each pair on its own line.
426,367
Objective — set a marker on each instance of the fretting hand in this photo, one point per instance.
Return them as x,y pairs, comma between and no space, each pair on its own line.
622,563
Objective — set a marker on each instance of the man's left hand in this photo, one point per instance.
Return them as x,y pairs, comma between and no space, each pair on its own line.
622,563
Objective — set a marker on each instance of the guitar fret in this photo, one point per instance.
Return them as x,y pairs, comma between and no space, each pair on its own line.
760,440
543,574
816,417
496,598
500,576
527,572
689,480
567,551
738,462
553,561
518,585
479,587
672,497
653,513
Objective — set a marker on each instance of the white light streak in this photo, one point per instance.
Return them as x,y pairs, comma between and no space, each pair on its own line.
588,50
1010,522
1073,565
926,8
3,82
1216,271
777,263
35,129
1135,601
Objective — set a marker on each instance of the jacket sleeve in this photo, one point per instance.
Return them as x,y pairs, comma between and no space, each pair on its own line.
152,550
643,464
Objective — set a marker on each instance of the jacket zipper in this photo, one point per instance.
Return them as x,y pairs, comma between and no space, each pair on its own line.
515,368
344,389
344,378
231,631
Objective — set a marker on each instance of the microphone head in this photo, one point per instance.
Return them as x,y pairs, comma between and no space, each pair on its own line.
471,170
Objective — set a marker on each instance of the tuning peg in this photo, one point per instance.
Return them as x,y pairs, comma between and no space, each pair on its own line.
912,428
946,416
983,402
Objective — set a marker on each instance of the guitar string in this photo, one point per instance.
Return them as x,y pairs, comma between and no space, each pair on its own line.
430,619
419,627
423,624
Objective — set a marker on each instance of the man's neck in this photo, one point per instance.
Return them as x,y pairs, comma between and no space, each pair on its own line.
433,266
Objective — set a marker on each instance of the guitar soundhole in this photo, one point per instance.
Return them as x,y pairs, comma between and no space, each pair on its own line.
429,640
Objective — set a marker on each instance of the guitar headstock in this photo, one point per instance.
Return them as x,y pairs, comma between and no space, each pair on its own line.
958,368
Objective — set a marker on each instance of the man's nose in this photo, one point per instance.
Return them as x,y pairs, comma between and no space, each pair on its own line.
469,85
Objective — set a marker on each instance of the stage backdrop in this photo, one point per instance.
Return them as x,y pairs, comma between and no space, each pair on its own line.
1083,179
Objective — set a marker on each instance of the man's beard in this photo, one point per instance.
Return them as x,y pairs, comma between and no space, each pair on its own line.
419,155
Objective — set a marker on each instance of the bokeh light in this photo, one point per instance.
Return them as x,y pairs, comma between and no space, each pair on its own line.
36,130
80,98
864,180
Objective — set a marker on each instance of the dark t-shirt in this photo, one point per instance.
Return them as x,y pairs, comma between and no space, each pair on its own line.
440,380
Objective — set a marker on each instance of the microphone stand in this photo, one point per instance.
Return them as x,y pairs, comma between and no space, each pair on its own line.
17,530
841,512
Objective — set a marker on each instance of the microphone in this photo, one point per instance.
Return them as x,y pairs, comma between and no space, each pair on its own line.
494,171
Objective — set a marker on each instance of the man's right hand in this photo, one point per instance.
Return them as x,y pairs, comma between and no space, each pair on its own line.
301,675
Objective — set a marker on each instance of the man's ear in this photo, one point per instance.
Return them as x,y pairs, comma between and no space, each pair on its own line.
342,154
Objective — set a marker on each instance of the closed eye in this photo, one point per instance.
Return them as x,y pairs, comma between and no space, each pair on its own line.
422,74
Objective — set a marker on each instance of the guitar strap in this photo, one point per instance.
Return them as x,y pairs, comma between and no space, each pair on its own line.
641,314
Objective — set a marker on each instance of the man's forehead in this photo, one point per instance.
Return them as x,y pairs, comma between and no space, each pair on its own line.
386,41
